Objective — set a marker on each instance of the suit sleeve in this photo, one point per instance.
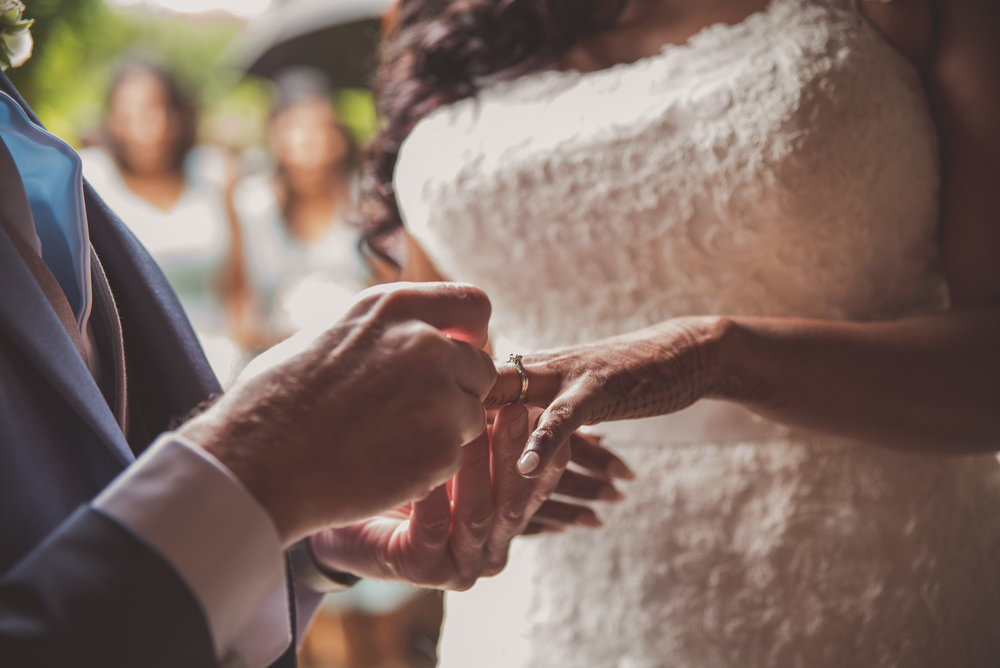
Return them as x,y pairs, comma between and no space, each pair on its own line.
94,594
173,564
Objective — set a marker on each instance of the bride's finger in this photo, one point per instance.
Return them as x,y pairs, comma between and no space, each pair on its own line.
587,451
566,514
580,486
536,528
555,427
542,385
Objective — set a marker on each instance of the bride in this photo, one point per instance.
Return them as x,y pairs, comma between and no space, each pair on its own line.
756,242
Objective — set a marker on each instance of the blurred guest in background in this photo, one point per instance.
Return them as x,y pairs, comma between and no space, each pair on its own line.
170,193
300,251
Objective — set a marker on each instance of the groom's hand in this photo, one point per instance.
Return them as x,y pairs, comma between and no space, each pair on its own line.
372,415
462,530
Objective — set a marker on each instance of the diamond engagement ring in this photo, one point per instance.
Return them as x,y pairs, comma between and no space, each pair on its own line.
516,361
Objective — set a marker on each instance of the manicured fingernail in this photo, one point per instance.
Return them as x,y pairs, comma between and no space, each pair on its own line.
518,427
589,520
618,469
528,462
610,494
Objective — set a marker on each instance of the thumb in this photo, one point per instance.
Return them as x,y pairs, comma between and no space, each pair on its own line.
555,426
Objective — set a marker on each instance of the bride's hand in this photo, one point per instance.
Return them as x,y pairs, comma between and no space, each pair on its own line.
650,372
462,530
590,480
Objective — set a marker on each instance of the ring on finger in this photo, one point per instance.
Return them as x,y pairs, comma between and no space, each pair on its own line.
515,360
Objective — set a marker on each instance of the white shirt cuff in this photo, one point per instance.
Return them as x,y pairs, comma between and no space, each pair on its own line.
190,508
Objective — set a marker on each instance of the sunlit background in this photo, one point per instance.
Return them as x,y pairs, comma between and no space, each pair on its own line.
241,8
79,42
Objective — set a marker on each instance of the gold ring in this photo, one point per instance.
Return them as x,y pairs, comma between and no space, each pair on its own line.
516,361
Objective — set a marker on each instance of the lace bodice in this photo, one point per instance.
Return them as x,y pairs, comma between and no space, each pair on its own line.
784,165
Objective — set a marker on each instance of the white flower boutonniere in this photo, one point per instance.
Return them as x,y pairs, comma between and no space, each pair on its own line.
15,34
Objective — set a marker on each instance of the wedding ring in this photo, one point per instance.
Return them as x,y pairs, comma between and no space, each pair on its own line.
516,361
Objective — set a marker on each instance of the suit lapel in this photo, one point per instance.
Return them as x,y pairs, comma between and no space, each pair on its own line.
108,330
167,371
33,327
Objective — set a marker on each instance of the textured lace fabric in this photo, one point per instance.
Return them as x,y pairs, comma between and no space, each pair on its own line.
783,166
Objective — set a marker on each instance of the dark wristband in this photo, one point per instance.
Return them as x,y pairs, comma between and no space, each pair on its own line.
309,573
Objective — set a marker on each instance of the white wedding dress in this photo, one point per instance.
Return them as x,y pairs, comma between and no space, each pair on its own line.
782,166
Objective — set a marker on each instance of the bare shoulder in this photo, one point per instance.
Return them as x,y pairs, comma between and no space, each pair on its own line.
909,25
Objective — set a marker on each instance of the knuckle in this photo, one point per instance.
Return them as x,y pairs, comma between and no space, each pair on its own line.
545,434
392,297
462,582
561,412
438,530
539,496
418,336
468,564
497,561
368,300
433,534
510,514
386,303
474,299
478,524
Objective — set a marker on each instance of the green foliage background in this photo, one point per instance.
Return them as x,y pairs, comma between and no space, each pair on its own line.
79,42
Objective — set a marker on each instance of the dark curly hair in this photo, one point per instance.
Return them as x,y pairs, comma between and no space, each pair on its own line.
438,51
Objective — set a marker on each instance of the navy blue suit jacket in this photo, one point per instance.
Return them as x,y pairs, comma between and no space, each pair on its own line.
75,587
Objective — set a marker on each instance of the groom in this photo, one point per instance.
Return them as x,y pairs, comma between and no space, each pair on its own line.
123,543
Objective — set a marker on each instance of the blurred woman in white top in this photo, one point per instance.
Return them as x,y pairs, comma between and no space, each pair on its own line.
149,171
299,246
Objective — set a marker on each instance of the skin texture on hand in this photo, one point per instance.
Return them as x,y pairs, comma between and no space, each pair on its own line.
920,384
462,530
371,415
649,372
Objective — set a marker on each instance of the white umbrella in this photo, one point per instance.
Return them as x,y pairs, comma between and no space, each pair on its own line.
338,37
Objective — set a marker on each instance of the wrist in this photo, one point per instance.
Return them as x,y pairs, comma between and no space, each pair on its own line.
310,572
240,456
728,341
